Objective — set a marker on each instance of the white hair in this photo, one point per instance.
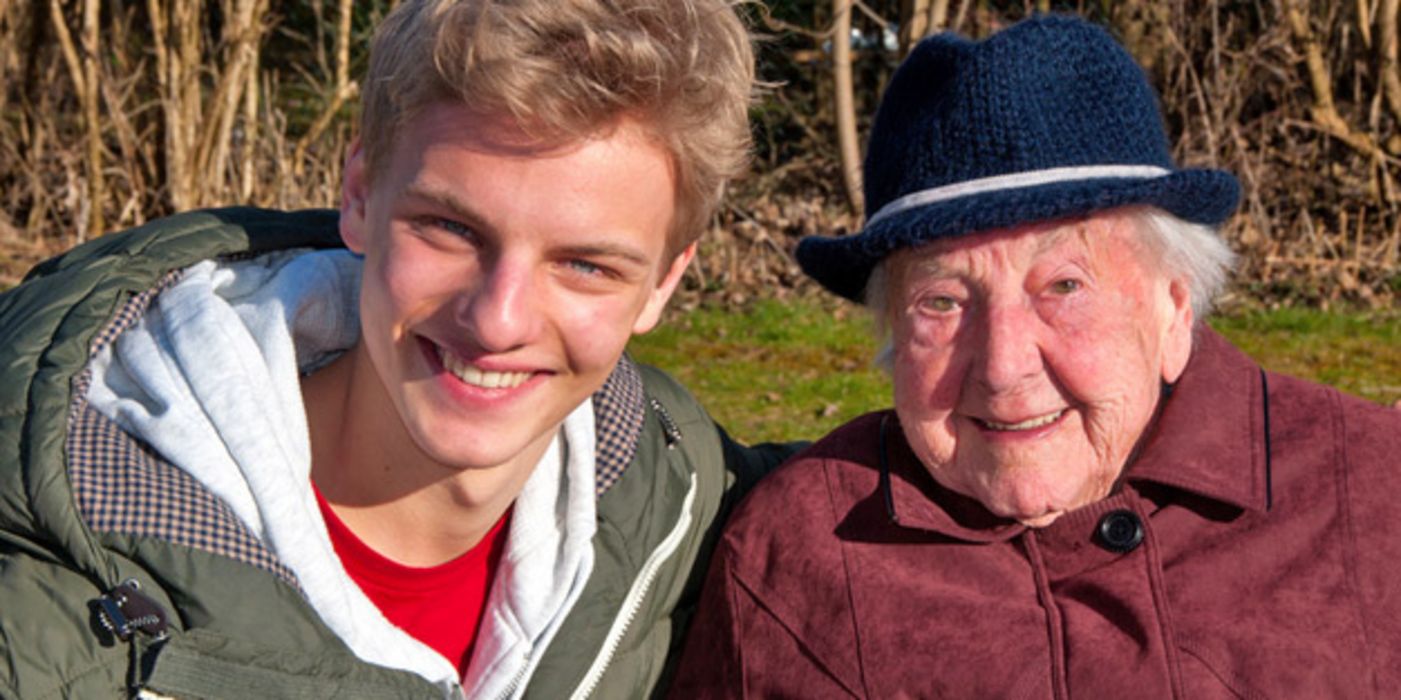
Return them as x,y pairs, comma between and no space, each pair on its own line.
1183,249
1192,251
877,300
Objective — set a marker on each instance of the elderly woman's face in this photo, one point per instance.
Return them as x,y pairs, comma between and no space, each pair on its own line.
1027,362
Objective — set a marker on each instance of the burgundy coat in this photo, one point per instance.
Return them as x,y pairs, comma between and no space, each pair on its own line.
1252,550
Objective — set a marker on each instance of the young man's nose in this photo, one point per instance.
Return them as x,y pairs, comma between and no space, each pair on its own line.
501,310
1010,351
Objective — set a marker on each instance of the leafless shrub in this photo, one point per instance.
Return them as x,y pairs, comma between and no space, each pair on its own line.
113,112
1300,99
117,112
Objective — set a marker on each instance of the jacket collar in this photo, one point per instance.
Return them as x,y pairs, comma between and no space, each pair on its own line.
1211,439
914,499
619,411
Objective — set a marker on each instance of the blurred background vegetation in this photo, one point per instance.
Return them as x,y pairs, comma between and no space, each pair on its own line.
114,112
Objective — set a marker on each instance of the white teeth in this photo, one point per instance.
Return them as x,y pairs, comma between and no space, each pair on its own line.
1028,424
476,377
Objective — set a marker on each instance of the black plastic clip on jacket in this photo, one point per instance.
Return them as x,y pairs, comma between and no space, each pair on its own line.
124,610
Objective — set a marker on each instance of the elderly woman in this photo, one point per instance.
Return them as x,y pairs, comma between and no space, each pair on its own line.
1082,490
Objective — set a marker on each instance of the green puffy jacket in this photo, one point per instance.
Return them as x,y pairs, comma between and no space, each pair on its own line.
119,575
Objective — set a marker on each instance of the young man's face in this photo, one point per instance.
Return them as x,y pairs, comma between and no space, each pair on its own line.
503,280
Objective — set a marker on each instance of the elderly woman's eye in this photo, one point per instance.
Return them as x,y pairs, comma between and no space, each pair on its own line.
1066,286
939,304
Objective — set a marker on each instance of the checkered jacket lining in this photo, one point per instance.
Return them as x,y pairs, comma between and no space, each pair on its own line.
123,486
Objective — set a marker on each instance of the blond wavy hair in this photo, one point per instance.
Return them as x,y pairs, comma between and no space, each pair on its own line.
570,69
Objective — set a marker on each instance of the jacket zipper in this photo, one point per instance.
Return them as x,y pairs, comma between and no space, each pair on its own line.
516,681
636,595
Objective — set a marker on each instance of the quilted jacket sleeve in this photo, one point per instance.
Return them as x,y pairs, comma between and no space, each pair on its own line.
50,646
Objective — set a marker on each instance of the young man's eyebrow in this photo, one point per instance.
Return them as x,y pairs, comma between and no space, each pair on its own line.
606,249
459,209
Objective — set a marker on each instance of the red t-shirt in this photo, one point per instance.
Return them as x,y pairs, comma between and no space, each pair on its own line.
440,606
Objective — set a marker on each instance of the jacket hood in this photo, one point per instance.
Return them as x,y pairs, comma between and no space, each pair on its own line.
47,327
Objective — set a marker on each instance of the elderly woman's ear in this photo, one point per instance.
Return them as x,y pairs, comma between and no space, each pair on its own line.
1177,345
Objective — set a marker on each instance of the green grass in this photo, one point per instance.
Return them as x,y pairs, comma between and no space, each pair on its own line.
1358,352
795,370
778,371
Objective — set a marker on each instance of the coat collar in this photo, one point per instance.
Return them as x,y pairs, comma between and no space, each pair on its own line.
619,413
1211,439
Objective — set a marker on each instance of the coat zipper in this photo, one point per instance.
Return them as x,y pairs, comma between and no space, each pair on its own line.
516,681
636,595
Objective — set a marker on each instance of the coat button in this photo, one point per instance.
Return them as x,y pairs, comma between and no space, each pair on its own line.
1120,531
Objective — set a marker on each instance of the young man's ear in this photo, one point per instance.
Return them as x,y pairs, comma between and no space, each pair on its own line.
656,300
354,193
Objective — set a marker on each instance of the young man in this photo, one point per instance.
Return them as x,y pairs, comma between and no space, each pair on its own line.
242,462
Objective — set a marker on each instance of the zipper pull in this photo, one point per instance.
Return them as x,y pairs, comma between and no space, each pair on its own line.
125,610
669,427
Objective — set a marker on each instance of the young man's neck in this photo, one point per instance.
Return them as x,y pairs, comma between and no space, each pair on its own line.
397,500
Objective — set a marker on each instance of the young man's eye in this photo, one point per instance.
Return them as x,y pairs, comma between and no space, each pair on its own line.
584,267
456,228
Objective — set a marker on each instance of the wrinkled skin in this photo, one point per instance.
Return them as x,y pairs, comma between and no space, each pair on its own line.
1027,362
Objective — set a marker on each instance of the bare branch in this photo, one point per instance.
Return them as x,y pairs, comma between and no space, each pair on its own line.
242,33
92,123
846,104
343,45
914,24
1364,22
323,120
65,44
1387,50
1324,111
938,16
344,89
250,163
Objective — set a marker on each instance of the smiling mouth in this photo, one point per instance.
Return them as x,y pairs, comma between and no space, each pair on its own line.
477,377
1028,424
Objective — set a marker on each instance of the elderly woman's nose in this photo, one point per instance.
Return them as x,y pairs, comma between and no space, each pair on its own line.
1010,351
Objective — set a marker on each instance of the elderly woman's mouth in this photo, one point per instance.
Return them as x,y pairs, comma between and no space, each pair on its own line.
1023,425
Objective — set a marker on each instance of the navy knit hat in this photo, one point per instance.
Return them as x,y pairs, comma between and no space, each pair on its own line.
1046,119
